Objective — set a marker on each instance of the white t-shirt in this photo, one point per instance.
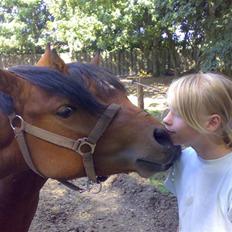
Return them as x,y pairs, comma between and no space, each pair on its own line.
204,192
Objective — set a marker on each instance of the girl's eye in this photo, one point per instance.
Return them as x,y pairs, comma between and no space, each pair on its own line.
65,111
176,114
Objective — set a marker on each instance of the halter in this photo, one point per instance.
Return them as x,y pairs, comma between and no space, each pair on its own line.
84,146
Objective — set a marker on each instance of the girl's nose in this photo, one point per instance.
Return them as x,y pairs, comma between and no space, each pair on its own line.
167,120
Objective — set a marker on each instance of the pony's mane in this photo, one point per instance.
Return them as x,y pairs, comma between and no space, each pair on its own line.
105,81
72,86
56,83
6,104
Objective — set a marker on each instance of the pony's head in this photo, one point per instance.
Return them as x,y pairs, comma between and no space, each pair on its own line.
69,103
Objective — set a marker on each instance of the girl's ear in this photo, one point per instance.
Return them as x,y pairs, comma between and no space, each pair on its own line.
10,83
213,122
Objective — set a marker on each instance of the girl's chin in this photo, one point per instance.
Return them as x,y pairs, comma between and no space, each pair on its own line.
174,139
177,142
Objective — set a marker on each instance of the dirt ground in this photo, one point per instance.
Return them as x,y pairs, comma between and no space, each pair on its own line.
127,203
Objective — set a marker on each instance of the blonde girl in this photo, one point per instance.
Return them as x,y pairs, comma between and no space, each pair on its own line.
200,119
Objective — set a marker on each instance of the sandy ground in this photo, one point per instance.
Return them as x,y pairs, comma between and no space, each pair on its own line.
127,203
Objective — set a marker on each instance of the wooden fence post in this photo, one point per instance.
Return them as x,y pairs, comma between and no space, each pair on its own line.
140,94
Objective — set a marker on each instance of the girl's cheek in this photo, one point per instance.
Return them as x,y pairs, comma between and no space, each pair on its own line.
178,123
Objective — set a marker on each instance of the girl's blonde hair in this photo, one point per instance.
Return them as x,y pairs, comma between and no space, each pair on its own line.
203,94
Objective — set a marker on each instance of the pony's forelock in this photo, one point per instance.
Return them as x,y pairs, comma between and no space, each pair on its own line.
57,83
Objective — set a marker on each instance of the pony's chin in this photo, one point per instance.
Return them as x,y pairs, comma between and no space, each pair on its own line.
146,168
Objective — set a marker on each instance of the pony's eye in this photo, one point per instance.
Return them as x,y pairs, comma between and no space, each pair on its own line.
65,111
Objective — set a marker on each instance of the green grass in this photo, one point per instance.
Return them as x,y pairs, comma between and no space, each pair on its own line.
155,113
158,181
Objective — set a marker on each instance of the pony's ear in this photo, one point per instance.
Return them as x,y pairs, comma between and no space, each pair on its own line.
96,59
10,82
51,59
45,59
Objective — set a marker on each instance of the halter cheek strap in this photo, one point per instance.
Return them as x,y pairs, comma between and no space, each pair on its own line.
84,146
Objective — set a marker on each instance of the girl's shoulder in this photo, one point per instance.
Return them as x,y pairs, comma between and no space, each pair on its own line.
188,150
187,158
188,153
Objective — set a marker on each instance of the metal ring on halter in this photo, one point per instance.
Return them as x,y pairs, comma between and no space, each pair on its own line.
83,146
14,121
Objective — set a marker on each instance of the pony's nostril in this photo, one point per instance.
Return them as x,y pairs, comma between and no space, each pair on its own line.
162,137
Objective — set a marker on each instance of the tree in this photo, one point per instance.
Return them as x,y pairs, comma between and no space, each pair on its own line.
22,25
168,34
205,26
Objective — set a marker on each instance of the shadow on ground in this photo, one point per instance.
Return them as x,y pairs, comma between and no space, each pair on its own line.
127,203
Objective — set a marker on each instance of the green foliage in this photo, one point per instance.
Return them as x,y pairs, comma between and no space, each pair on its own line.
158,181
143,74
22,25
217,51
156,113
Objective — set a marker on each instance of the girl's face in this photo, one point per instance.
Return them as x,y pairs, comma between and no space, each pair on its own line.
179,131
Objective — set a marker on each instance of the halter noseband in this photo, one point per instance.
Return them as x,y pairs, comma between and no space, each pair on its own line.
84,146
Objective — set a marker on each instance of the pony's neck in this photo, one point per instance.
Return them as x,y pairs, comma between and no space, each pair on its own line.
11,160
19,195
19,186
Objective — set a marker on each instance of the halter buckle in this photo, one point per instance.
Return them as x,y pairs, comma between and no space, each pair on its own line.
16,122
83,146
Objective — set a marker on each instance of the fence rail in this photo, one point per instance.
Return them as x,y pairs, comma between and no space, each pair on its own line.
121,63
14,59
118,64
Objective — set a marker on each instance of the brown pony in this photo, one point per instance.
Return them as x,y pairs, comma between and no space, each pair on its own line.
68,121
